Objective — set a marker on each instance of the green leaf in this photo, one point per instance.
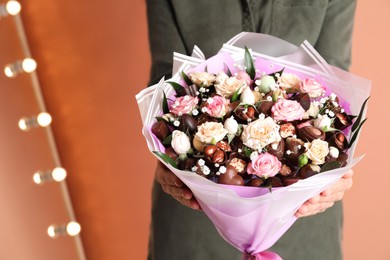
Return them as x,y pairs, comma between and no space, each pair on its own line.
166,158
330,166
228,72
167,140
179,89
165,104
280,72
250,67
355,134
359,118
159,118
235,95
230,138
186,78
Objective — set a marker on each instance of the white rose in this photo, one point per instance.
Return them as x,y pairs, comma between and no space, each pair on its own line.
317,150
180,142
202,78
231,125
210,131
260,133
322,122
247,96
227,86
314,109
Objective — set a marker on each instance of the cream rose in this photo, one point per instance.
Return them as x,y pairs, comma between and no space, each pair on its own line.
227,86
202,78
317,150
260,133
210,131
180,142
289,82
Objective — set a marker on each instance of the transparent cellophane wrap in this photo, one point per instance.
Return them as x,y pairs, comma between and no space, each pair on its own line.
252,219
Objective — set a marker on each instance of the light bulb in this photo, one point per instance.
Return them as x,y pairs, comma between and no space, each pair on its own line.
44,119
29,65
51,231
58,174
9,72
13,7
73,228
37,178
23,124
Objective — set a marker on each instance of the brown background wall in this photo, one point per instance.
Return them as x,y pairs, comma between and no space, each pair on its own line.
92,60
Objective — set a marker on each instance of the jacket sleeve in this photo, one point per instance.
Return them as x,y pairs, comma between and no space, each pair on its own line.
335,39
164,38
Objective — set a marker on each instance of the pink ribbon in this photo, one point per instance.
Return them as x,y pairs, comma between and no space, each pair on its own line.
266,255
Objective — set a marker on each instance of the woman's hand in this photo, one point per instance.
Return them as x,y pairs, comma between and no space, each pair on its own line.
173,186
327,198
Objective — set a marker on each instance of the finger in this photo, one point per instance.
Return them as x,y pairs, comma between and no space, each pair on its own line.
191,203
348,174
341,185
178,192
308,209
164,176
332,197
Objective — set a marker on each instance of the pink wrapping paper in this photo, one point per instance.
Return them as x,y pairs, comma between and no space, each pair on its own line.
253,219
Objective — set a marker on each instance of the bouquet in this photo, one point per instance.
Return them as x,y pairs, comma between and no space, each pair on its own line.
254,136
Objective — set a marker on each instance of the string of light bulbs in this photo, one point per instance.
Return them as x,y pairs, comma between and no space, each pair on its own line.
42,120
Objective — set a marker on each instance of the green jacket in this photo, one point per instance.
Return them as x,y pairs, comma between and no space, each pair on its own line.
177,25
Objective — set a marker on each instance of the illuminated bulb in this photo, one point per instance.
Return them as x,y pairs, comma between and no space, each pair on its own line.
44,119
27,65
58,174
13,7
71,229
51,231
37,178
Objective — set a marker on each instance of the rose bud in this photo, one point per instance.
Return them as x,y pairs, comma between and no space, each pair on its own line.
180,142
303,99
187,164
294,148
231,177
231,125
342,121
255,182
338,140
224,146
342,158
160,130
265,107
188,123
276,149
287,130
247,96
309,133
308,170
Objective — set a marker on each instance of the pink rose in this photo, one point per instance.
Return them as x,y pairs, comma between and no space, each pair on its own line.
312,87
287,110
264,165
216,106
184,105
242,75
